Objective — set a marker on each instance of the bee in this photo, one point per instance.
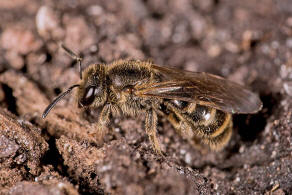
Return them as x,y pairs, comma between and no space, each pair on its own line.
199,105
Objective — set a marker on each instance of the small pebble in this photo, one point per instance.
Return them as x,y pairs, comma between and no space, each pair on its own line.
288,87
214,51
47,23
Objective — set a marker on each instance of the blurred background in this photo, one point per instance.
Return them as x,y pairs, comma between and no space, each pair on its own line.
249,42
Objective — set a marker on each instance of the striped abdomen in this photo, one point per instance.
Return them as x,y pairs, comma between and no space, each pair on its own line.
200,123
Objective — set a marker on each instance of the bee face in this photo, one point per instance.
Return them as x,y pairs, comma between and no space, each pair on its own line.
92,89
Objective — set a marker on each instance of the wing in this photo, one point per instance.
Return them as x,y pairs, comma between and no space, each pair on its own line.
202,88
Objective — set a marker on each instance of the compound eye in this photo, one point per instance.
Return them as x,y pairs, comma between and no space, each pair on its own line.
89,96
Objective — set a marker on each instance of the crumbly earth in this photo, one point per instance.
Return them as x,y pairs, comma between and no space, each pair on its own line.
249,42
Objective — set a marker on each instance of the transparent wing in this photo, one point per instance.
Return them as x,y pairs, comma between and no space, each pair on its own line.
201,88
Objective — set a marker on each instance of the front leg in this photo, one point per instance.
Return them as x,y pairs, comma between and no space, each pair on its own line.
103,120
151,128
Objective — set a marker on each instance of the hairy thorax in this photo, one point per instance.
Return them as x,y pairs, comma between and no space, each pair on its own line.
123,79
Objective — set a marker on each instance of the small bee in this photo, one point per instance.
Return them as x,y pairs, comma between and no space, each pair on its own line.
199,105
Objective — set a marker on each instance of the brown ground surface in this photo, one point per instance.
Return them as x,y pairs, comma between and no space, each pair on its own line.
249,42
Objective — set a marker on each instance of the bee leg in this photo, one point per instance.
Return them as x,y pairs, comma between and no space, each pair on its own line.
182,126
186,132
150,126
180,123
103,121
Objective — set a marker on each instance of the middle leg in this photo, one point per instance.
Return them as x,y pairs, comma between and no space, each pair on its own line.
151,128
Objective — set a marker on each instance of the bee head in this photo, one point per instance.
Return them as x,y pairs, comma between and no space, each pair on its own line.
92,89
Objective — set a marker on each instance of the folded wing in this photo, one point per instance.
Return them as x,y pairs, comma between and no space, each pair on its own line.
202,88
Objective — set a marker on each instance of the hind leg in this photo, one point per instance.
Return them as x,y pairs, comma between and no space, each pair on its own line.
180,126
187,132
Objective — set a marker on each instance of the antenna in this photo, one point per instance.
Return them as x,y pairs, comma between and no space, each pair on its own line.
74,56
57,99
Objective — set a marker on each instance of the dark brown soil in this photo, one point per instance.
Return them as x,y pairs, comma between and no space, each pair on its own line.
249,42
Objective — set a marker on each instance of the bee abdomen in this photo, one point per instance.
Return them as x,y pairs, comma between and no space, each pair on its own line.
213,127
219,141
